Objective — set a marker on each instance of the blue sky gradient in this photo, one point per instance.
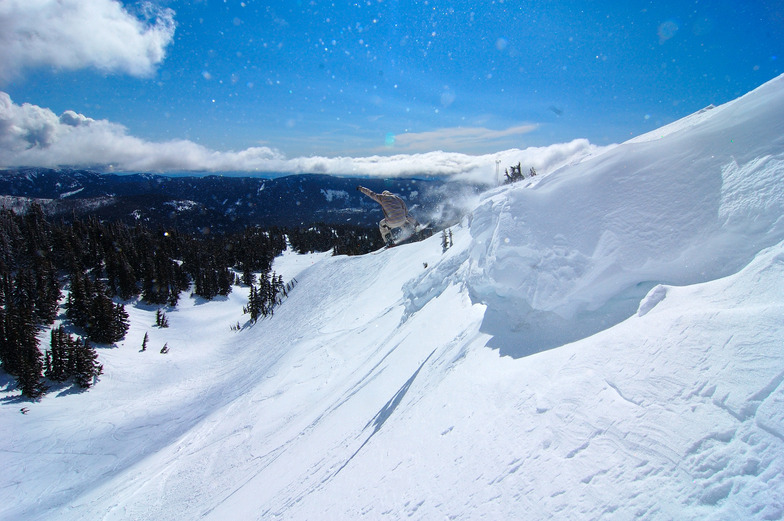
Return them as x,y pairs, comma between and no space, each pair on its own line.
315,78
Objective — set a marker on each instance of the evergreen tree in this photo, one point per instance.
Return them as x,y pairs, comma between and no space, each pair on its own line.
263,299
144,341
47,363
121,276
11,240
225,279
248,277
37,233
78,303
516,174
160,319
121,324
254,308
162,278
90,307
8,351
86,366
174,298
49,294
107,322
19,351
29,377
57,358
30,362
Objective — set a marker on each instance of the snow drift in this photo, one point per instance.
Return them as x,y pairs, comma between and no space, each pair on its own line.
639,294
690,203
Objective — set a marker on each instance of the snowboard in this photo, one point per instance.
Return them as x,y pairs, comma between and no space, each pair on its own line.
421,232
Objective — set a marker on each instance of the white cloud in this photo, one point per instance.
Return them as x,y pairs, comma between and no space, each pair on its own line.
34,136
74,34
457,138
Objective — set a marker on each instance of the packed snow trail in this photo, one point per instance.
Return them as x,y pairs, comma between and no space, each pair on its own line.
638,294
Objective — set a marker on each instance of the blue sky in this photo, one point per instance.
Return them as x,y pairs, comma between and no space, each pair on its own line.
299,78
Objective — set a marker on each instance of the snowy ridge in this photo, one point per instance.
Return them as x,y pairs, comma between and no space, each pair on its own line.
603,344
577,252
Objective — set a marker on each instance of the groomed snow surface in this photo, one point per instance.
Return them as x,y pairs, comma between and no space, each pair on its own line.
605,342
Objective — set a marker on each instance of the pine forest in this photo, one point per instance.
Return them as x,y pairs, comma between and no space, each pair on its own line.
83,272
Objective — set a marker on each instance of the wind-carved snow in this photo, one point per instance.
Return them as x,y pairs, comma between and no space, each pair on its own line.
753,189
575,253
635,301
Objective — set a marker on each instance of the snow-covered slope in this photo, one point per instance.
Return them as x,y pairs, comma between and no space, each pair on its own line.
639,294
576,254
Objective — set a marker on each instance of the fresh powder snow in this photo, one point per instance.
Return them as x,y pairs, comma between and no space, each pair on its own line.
602,342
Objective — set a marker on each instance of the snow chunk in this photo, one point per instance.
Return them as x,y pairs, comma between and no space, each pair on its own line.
653,297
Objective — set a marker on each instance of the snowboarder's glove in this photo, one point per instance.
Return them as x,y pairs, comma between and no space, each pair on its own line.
359,188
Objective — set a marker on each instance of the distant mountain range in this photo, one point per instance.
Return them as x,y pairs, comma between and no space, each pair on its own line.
224,203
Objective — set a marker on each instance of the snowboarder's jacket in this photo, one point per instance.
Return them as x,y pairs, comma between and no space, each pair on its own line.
395,211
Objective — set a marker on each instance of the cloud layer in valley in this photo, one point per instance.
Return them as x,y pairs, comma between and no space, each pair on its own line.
455,138
77,34
35,136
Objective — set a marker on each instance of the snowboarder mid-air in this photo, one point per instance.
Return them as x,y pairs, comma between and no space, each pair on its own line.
397,224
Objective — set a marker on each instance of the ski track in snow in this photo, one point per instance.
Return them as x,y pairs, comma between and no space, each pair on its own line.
602,343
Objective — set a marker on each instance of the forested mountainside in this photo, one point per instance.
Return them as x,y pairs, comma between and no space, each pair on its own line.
224,203
103,264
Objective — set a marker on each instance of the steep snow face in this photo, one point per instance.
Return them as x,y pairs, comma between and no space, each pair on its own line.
574,253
